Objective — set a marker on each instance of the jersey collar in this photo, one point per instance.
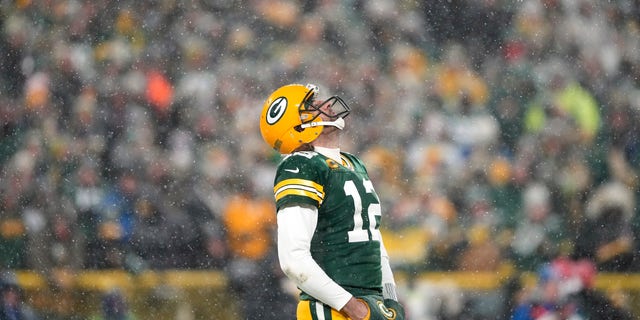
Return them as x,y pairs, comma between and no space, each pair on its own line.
334,154
331,153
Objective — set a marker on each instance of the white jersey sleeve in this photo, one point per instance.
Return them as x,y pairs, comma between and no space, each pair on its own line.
296,226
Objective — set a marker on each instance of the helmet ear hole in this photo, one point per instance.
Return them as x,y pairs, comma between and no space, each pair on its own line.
306,116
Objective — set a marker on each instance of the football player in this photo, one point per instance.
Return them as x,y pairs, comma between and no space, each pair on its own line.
329,214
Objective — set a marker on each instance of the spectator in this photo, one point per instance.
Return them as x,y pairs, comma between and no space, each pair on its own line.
565,290
538,235
253,270
114,306
12,240
163,237
606,235
115,223
12,305
88,196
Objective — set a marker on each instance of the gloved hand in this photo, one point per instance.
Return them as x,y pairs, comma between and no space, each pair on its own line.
395,306
386,309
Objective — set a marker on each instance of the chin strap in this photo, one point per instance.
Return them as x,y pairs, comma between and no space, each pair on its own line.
339,123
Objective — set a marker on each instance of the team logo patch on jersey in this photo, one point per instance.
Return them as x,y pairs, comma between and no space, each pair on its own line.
386,312
276,110
332,164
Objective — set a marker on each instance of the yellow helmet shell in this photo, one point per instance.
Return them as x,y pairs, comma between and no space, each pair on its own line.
280,119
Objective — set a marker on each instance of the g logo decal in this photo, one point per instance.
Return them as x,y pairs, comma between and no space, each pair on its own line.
386,312
276,110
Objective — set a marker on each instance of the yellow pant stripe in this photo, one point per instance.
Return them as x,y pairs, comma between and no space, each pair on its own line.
308,310
315,310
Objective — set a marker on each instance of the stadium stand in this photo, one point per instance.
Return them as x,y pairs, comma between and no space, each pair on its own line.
498,129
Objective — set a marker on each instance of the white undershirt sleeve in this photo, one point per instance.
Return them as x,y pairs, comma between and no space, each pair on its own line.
296,226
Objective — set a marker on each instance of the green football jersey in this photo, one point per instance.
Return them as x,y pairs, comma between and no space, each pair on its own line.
346,242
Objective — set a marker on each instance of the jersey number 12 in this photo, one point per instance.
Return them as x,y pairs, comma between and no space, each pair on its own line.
359,233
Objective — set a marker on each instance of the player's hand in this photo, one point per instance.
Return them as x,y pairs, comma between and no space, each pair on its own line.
355,309
386,309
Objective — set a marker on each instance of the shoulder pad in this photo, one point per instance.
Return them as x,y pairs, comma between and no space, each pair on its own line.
306,154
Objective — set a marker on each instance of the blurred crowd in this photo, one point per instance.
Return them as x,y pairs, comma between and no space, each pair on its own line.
500,129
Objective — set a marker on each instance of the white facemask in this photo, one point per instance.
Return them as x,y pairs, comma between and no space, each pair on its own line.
338,123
